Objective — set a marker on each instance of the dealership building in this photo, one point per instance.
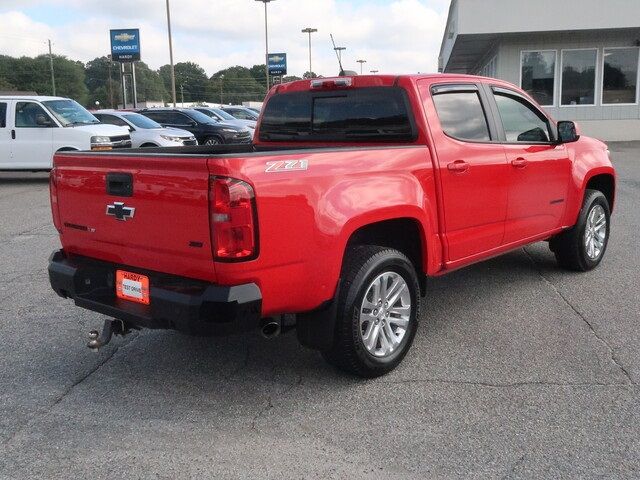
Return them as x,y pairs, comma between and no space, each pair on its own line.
577,58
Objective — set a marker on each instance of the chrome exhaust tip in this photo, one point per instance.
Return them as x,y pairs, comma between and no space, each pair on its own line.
270,329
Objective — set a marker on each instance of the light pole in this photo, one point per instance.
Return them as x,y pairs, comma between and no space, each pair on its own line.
53,78
340,50
221,78
310,30
173,72
266,41
361,62
182,93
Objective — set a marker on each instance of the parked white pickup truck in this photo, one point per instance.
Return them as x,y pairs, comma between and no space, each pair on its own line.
33,128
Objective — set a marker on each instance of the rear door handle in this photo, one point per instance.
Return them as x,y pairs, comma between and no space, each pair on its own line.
519,162
458,166
13,134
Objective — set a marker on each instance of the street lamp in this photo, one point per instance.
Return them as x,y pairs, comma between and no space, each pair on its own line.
221,78
173,72
361,62
374,71
339,50
310,30
266,41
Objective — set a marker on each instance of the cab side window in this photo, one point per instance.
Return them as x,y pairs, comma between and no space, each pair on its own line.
462,116
32,115
522,122
112,120
177,118
3,115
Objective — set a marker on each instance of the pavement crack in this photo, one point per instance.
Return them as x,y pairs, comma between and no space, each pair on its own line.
534,383
583,317
68,390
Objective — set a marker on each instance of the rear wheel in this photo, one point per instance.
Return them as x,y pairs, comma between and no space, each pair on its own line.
212,141
582,247
378,311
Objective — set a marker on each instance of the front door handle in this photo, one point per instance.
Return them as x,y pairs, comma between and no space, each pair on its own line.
458,166
13,134
519,162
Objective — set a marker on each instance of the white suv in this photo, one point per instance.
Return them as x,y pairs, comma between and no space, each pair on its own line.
144,131
33,128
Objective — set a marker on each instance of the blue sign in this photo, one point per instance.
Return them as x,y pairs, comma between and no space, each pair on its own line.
277,63
125,45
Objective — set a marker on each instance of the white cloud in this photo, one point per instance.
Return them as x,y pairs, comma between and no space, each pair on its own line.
398,36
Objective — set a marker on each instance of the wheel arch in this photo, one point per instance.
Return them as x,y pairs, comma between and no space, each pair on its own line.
604,182
407,234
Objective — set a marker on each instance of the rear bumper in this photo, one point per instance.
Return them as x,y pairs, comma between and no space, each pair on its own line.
177,303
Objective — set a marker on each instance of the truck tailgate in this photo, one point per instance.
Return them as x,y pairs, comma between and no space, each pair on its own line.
168,230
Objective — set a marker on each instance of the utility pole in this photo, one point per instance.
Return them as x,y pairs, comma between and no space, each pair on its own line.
221,78
173,72
110,82
182,93
266,41
361,62
53,78
310,30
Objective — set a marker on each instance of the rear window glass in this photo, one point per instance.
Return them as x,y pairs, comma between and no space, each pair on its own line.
461,116
366,114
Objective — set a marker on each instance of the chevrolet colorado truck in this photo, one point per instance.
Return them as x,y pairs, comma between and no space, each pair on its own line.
355,190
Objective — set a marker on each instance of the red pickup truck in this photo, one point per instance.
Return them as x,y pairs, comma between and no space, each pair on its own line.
355,190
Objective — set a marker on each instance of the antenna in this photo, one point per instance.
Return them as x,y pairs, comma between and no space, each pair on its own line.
337,56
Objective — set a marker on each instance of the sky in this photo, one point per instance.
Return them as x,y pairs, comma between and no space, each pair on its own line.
394,36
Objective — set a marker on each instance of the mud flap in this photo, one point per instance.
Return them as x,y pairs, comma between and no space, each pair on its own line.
316,329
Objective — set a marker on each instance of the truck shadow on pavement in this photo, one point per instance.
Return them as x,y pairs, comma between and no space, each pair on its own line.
21,178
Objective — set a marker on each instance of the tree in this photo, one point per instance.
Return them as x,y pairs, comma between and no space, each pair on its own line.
34,74
235,85
257,72
102,77
310,75
191,76
290,78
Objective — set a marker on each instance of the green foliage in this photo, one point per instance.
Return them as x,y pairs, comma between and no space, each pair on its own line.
99,81
235,85
191,77
34,74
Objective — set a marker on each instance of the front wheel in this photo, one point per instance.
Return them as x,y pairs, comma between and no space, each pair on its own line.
582,247
378,311
212,141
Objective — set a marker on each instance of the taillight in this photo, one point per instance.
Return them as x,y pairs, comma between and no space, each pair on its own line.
53,194
232,207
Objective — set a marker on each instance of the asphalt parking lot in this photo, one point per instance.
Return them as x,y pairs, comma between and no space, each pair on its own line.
519,370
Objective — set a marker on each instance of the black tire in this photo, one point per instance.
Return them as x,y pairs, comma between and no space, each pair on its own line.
148,145
570,248
212,141
363,265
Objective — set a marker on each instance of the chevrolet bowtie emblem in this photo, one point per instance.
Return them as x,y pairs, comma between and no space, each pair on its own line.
119,211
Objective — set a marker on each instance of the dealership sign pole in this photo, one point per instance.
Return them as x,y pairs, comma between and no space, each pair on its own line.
125,48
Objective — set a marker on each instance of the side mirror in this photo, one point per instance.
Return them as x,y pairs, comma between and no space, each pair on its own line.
42,120
567,131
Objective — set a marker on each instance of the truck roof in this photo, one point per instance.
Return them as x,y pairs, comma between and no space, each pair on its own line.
41,98
370,80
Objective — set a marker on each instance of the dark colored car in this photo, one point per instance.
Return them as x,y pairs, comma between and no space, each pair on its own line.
205,129
241,113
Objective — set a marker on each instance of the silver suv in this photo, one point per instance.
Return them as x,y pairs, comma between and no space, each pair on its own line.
144,131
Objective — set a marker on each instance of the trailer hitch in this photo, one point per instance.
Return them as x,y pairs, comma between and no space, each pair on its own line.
110,328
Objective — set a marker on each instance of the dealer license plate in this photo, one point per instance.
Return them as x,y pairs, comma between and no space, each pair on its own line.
132,286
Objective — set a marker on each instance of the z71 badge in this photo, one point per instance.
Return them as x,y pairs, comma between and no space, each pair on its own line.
286,166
